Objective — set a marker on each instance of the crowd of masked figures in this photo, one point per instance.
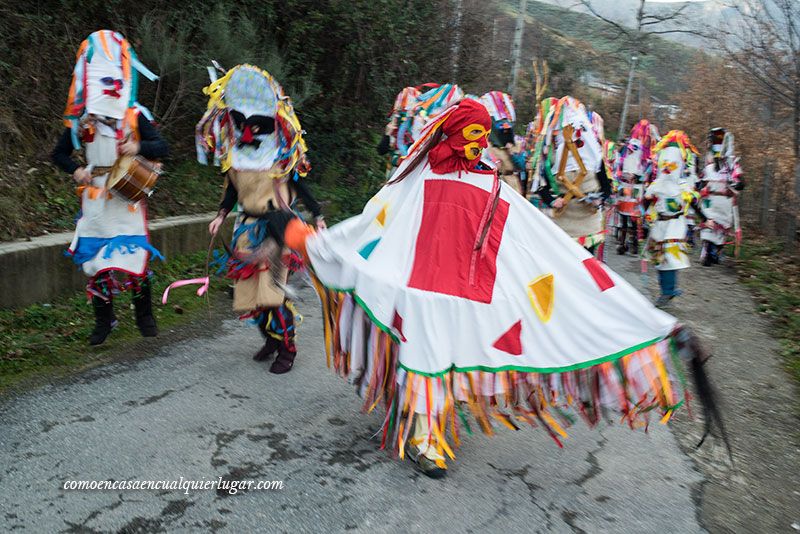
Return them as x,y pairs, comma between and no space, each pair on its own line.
594,188
474,226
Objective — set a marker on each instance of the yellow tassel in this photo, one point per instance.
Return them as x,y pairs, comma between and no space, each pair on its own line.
648,372
412,402
325,317
476,408
503,420
440,441
662,373
385,379
400,434
553,424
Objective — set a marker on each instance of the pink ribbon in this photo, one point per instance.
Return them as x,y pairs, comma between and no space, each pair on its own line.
180,283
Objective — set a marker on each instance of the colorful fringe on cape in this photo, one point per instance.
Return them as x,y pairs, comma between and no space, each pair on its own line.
634,383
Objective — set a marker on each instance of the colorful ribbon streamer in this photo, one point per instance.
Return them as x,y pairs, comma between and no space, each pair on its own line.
180,283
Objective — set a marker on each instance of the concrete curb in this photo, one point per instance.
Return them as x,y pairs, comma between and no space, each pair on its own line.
36,270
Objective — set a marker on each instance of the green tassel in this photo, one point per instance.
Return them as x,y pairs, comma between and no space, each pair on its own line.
464,420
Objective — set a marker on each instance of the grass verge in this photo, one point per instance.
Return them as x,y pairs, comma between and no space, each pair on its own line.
774,277
48,340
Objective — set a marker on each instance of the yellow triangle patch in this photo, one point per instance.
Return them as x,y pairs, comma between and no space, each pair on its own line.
381,217
540,292
675,250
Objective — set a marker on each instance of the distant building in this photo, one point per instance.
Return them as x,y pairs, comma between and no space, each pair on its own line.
592,81
663,111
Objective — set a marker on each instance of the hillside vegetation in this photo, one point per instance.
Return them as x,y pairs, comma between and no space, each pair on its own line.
341,61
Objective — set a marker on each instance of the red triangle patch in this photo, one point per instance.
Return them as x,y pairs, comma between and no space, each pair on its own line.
510,342
598,273
397,324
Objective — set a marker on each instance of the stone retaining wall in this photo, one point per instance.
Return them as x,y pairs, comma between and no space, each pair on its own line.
37,270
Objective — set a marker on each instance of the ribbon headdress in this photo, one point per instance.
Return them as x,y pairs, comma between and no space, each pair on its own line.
500,106
679,139
248,89
105,82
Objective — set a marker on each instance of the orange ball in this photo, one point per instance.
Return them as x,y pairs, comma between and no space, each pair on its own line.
296,234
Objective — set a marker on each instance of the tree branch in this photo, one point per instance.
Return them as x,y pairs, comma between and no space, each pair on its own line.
588,5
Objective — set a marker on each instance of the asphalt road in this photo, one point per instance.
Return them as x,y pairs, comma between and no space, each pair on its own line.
201,408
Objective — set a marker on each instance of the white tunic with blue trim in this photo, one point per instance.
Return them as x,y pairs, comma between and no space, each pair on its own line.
111,233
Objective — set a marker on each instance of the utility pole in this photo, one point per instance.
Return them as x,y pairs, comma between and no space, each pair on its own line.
456,49
640,97
494,40
516,47
624,116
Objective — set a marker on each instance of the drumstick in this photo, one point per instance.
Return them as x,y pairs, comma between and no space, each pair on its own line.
123,141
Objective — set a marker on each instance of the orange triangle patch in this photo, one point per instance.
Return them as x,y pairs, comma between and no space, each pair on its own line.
541,294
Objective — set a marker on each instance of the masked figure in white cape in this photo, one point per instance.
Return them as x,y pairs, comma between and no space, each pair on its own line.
256,138
111,243
452,293
633,171
573,177
667,201
719,187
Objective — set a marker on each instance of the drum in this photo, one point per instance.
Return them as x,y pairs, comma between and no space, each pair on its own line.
628,207
133,178
628,199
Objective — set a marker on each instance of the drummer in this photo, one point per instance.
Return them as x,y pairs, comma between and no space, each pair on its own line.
111,244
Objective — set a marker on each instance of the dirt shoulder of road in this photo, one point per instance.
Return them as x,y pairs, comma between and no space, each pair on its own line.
760,491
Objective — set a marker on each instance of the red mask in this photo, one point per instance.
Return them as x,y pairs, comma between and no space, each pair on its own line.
467,130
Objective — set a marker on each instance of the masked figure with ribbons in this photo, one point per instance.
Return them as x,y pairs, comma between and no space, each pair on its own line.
634,170
667,201
719,186
450,294
111,243
397,136
254,134
413,108
506,150
573,179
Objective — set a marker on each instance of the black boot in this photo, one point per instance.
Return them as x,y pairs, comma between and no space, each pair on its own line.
271,346
143,305
104,320
705,255
286,347
285,360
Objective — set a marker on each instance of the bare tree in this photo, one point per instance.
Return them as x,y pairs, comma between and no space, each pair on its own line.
764,41
636,39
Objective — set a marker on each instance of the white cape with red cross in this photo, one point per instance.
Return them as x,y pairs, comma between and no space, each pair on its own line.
529,299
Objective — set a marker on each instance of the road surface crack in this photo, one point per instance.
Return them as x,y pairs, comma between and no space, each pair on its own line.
532,489
594,464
